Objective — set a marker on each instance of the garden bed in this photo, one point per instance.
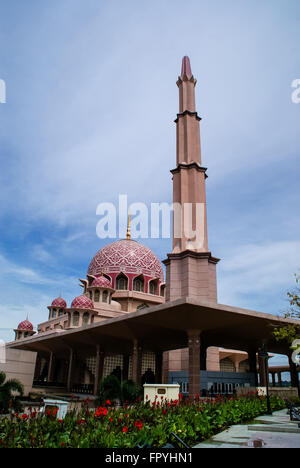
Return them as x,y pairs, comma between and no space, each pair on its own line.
127,426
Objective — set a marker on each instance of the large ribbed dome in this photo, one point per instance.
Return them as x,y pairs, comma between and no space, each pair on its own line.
127,256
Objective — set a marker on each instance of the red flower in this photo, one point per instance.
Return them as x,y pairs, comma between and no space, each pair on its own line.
24,417
138,424
108,403
180,396
125,429
62,444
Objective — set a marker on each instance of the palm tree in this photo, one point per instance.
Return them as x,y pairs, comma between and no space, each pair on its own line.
6,389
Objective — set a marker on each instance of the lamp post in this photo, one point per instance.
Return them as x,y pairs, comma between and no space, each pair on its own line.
264,356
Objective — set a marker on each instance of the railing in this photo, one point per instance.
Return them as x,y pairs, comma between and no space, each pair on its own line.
86,389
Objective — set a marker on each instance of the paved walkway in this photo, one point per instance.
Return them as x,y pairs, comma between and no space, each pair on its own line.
276,431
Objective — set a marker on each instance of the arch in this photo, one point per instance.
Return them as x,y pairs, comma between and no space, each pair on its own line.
153,286
105,296
122,282
97,295
76,316
60,312
85,319
91,295
53,313
226,365
162,290
139,284
244,366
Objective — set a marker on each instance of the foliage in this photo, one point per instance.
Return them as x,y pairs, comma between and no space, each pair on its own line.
289,333
7,399
130,391
127,426
110,388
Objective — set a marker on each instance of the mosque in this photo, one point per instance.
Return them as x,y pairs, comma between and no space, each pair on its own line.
137,323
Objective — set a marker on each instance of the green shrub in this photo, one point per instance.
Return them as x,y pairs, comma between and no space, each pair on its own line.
131,391
110,389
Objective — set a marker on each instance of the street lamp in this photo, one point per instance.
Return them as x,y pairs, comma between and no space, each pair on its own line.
264,356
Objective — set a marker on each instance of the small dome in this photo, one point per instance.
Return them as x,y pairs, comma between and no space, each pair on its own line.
59,302
25,326
82,302
101,282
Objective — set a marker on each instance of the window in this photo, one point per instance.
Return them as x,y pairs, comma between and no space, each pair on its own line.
91,295
138,284
104,296
122,283
226,365
76,319
97,295
153,287
162,290
60,312
53,313
85,319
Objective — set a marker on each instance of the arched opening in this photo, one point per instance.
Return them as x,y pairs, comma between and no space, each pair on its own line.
162,290
76,319
104,296
153,287
139,284
97,295
60,312
244,366
122,282
85,319
54,313
91,295
226,365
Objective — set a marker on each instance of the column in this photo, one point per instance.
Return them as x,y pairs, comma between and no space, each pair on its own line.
273,379
194,362
158,368
99,369
137,362
253,365
51,368
279,379
262,372
70,371
294,374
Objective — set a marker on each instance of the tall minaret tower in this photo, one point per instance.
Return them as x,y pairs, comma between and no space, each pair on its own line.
191,269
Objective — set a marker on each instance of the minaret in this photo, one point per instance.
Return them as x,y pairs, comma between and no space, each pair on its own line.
191,269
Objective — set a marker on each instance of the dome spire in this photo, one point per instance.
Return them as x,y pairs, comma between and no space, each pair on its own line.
128,235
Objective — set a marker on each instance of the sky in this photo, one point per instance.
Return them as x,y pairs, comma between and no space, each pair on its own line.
89,114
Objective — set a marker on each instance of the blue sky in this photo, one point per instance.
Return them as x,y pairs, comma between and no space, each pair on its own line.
91,100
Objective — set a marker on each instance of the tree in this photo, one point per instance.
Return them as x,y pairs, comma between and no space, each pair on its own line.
290,333
6,389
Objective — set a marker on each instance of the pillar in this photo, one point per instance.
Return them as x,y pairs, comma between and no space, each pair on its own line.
99,369
273,379
262,372
194,362
253,365
137,362
294,374
70,371
279,379
158,368
51,368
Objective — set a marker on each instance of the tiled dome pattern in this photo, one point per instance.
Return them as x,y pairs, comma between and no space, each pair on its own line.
82,302
101,282
25,326
126,256
59,302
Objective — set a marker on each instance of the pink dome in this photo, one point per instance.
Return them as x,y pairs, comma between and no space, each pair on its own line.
59,302
82,302
101,282
127,256
26,326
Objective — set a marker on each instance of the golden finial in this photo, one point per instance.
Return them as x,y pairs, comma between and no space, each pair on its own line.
128,235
